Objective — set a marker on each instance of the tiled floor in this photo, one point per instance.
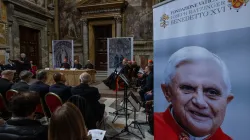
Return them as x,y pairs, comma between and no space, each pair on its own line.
116,127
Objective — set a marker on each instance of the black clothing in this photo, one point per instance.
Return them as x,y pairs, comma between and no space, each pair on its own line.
42,89
63,91
78,66
23,130
95,110
89,66
65,65
148,87
10,67
26,64
20,86
125,70
5,85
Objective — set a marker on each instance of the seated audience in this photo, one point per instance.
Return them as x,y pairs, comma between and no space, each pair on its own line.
67,123
149,83
77,65
23,85
135,69
89,65
10,66
22,125
65,64
60,89
91,95
6,82
41,88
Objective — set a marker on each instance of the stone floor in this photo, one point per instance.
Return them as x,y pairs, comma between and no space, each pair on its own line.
108,98
116,127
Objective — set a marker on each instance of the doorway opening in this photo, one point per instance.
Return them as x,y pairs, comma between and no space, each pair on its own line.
29,44
101,33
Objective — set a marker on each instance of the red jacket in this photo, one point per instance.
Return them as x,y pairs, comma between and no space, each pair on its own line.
166,128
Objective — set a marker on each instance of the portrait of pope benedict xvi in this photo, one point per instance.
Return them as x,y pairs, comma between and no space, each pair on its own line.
198,88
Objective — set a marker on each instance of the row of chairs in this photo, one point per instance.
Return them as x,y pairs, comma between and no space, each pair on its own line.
52,100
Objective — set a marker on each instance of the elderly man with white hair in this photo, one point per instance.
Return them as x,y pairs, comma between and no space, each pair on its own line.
197,86
95,110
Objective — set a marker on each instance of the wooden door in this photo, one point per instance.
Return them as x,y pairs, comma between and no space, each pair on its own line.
29,44
101,34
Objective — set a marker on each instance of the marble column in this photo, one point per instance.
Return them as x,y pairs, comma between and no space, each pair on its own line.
85,40
118,23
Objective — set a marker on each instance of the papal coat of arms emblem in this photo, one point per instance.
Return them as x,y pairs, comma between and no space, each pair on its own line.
164,20
237,4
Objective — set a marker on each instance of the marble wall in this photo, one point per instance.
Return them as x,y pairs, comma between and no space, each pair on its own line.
69,21
139,19
40,3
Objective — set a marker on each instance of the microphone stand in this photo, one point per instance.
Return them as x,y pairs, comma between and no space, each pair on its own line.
116,113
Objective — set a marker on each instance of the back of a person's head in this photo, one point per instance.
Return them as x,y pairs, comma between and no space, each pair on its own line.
85,78
67,123
24,104
57,77
41,75
25,75
8,74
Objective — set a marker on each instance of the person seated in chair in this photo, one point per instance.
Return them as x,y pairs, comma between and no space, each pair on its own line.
60,89
10,65
22,125
65,64
95,110
23,85
6,82
149,83
41,88
77,65
89,65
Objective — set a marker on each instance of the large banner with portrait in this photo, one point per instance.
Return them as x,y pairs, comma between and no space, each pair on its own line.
62,51
118,49
201,68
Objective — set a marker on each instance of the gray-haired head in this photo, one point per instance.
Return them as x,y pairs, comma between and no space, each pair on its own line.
85,78
42,75
23,55
25,75
192,54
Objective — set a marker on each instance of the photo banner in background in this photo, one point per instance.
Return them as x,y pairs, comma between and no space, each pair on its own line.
118,49
223,28
62,49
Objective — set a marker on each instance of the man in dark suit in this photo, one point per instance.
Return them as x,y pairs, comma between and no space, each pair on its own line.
65,64
77,65
6,81
149,83
41,88
125,68
63,91
22,125
10,66
25,63
89,65
95,110
23,85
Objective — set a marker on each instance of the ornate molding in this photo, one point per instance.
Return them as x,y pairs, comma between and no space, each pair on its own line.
28,6
84,21
118,19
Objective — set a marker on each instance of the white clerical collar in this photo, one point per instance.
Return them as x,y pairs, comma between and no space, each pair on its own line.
190,136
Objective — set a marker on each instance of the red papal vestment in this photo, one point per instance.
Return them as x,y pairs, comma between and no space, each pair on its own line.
166,128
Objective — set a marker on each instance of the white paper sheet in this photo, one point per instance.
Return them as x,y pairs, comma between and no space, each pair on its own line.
97,134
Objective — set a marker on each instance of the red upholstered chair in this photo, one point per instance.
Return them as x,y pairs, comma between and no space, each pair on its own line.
40,109
34,69
10,93
53,101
